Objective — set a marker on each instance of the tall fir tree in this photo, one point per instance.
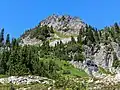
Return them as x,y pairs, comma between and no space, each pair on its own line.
2,37
117,29
8,40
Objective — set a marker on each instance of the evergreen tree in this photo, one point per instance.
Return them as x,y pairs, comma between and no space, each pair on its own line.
117,29
96,35
8,40
73,39
2,37
116,62
14,43
79,37
51,29
91,35
3,61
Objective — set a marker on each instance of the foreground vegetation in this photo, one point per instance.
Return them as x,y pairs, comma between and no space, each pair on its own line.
62,83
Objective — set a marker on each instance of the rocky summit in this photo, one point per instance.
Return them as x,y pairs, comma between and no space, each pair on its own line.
64,26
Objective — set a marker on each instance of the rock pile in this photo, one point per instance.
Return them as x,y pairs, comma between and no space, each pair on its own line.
106,81
26,80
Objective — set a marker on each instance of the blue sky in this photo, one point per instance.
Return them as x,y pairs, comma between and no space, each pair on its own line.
16,16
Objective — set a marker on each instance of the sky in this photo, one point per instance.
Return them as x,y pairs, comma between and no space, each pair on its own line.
16,16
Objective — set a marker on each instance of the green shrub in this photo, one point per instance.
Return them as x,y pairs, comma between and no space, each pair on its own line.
66,72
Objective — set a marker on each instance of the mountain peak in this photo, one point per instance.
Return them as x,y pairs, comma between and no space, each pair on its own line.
64,23
63,26
61,18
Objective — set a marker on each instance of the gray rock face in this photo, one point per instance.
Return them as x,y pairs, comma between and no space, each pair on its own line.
28,41
90,66
77,64
99,56
64,40
104,56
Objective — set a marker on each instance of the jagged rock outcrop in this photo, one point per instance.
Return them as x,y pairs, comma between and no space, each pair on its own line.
65,24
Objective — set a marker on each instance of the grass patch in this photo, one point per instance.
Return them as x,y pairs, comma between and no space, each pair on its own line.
104,71
62,35
76,72
65,66
3,76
